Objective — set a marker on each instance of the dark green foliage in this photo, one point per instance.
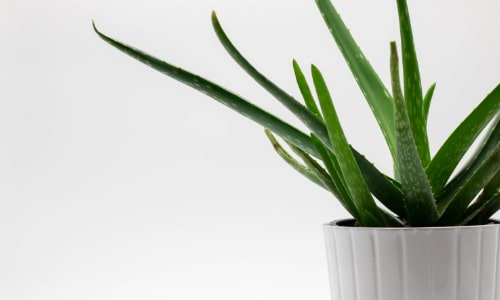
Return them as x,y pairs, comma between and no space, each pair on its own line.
423,191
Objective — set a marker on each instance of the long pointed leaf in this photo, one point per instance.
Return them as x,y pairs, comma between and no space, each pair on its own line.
420,204
332,166
484,174
412,84
321,174
383,188
223,96
292,162
300,111
487,204
312,123
369,213
482,154
390,221
305,90
229,99
428,99
380,185
376,94
483,214
492,188
457,144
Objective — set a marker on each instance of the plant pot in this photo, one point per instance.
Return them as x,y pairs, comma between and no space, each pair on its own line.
434,263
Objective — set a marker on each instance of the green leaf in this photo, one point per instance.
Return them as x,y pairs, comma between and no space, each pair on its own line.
300,111
382,187
428,100
452,151
319,172
305,90
412,85
486,206
420,205
292,162
369,214
332,166
387,191
289,101
376,94
482,154
223,96
486,211
492,188
474,184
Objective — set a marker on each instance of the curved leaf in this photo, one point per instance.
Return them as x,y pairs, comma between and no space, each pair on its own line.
452,151
223,96
428,99
482,154
319,172
474,184
300,111
486,206
489,201
292,162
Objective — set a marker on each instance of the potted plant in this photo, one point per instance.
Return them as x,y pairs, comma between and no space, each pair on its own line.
425,232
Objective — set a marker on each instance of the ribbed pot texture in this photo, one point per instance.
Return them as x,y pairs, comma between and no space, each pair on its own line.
436,263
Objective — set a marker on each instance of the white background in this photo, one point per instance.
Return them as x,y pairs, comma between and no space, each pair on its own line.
119,183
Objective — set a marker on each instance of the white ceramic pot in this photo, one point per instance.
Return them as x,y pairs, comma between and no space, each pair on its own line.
437,263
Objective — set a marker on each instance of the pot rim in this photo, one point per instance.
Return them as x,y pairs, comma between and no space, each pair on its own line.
337,224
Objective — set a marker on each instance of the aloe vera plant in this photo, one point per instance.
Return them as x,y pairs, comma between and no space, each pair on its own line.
426,190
